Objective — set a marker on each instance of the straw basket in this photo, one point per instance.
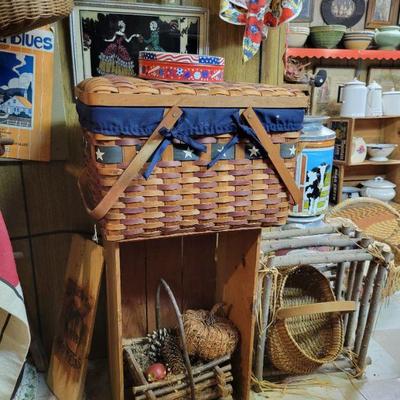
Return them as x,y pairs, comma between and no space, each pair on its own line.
19,16
308,331
212,163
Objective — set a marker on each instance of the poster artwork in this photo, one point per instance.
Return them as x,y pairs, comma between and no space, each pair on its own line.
72,335
26,87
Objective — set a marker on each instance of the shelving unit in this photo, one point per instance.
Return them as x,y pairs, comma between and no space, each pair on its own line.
372,130
344,54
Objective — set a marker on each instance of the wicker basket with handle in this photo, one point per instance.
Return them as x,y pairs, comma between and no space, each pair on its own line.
209,161
18,16
308,331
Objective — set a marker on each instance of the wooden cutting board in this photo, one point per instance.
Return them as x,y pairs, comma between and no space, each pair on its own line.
71,345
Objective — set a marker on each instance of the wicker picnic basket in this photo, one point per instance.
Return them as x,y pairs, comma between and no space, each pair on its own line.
18,16
169,158
308,331
205,381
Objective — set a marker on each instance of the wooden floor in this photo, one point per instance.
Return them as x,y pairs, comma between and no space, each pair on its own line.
382,378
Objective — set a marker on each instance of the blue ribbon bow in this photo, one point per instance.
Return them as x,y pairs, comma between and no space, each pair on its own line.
247,131
169,135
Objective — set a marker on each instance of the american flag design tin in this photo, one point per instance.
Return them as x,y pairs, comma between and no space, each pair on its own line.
180,67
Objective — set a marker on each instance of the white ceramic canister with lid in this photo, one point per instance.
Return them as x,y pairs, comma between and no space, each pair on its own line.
391,102
379,188
353,96
374,100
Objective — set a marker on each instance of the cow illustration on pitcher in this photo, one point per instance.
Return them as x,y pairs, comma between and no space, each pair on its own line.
314,167
315,188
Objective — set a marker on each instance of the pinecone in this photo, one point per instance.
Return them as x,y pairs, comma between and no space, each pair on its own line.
171,354
156,340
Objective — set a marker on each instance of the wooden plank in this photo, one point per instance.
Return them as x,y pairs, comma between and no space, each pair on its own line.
237,274
164,260
53,199
273,67
69,360
50,256
12,199
133,289
114,319
226,41
217,101
199,271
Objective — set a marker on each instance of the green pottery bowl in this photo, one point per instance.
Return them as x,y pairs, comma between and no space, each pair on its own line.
327,36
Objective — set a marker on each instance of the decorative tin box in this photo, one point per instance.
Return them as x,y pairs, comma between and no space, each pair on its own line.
180,67
168,158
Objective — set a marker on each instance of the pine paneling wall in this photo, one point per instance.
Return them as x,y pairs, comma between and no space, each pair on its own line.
41,203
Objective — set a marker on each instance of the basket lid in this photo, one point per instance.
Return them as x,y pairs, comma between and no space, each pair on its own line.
125,91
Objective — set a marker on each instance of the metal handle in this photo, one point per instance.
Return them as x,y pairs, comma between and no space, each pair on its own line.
340,97
181,330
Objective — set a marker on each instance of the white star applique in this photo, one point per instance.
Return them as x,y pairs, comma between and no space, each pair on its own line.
254,152
99,154
220,151
188,153
292,150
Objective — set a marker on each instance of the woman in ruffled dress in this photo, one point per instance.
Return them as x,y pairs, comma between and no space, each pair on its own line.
115,59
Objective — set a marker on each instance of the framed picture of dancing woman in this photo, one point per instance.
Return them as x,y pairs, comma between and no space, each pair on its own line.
107,36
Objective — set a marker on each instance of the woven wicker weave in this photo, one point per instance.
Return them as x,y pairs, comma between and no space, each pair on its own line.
183,197
302,344
19,16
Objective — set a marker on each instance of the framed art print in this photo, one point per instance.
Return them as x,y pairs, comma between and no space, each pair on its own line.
107,36
382,13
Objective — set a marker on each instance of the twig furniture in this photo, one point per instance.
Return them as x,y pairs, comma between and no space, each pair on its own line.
207,381
359,277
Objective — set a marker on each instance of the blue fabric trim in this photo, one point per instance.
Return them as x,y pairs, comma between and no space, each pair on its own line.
141,121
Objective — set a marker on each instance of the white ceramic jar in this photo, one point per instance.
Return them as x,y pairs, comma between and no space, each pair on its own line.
374,100
379,188
391,102
353,96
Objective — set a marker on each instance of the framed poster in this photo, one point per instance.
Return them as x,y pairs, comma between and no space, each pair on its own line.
106,36
307,12
388,78
382,13
325,98
26,93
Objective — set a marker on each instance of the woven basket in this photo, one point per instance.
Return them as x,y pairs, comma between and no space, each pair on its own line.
183,195
18,16
308,331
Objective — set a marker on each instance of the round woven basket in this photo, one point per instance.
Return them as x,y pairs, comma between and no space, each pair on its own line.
20,16
301,344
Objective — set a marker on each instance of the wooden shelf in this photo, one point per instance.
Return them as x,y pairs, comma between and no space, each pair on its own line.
344,54
369,162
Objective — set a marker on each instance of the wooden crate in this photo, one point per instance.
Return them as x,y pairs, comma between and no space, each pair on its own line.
372,130
201,270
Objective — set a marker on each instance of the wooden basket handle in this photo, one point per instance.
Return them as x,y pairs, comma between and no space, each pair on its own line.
273,153
316,308
133,169
178,314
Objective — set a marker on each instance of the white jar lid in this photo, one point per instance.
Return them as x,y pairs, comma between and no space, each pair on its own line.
379,183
